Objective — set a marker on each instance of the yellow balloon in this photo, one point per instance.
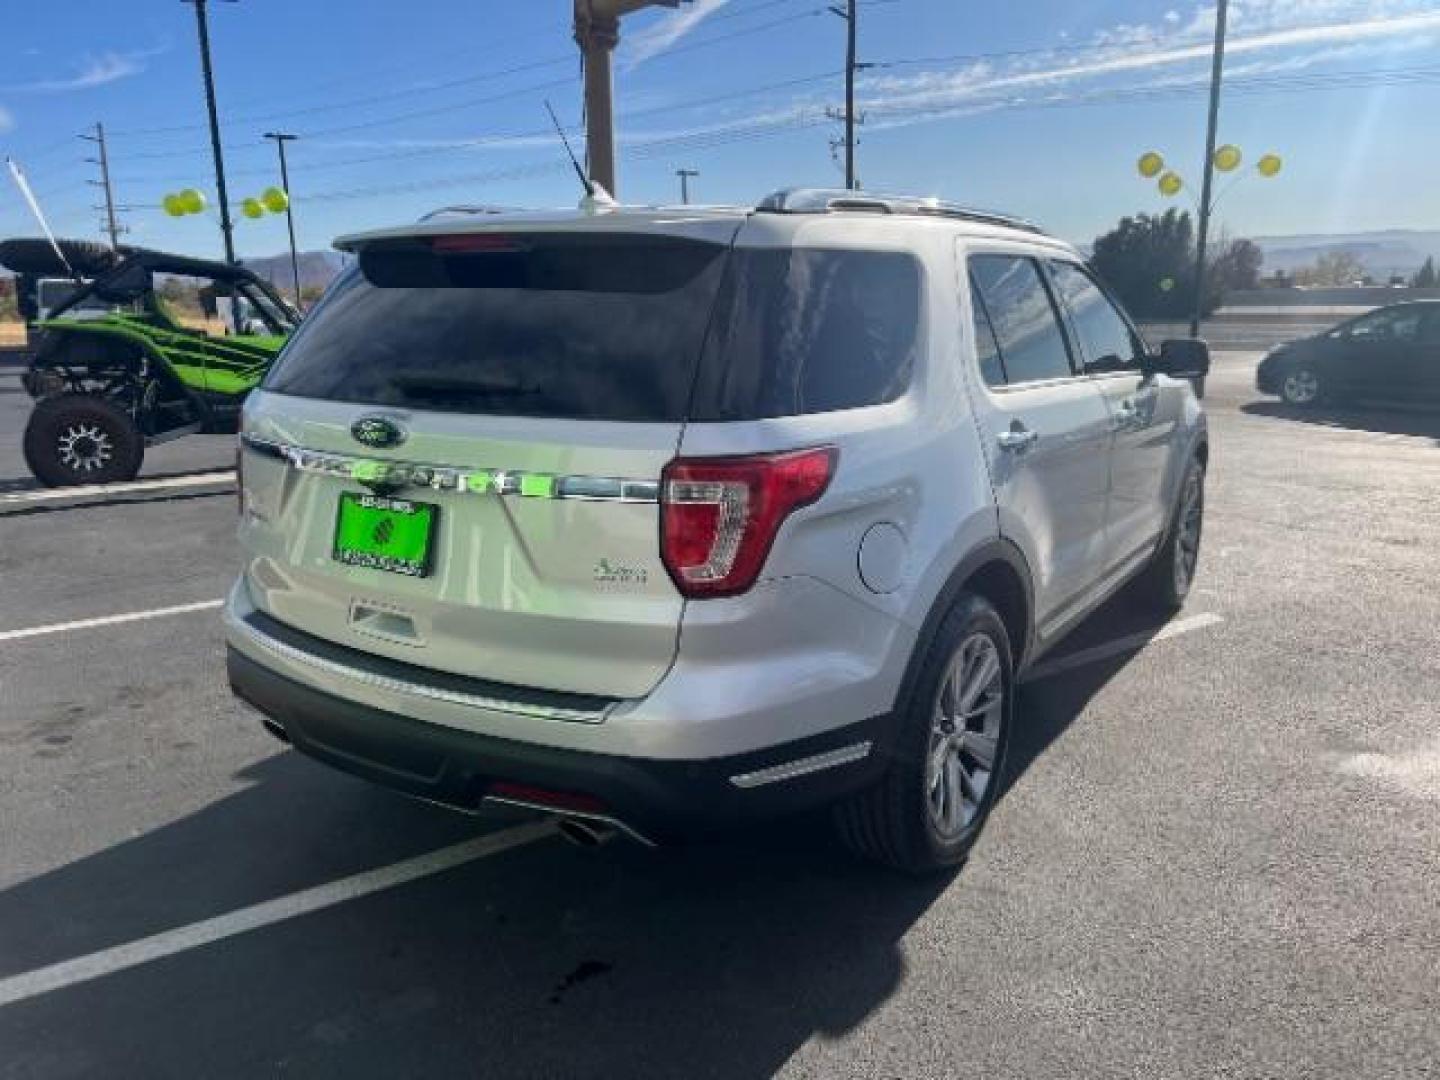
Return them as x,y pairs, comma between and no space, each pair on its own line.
1227,158
251,208
1170,184
275,200
192,200
1269,165
1150,164
174,205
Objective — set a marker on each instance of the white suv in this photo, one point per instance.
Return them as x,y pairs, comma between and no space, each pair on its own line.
666,518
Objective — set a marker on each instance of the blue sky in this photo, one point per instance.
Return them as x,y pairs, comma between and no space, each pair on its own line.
1039,108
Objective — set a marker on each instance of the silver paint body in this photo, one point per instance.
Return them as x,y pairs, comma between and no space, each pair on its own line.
569,594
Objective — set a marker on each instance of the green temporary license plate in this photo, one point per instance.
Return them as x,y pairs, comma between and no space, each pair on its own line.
385,534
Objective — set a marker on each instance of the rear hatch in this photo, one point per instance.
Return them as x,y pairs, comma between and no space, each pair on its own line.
456,461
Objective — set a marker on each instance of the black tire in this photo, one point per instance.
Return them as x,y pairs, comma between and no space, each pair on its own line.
893,822
1165,583
35,256
82,439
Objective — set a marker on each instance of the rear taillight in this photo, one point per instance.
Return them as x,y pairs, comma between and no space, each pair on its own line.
719,516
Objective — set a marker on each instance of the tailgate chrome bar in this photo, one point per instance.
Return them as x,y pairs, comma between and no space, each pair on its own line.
476,481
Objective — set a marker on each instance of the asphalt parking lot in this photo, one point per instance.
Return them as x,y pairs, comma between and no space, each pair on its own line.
1217,853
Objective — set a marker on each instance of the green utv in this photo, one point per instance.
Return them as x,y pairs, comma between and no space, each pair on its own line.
136,348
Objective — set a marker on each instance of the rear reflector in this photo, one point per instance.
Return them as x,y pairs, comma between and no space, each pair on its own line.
719,516
574,801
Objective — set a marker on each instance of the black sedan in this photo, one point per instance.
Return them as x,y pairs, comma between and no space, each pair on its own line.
1389,354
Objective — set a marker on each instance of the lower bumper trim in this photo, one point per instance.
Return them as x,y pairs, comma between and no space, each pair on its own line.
790,770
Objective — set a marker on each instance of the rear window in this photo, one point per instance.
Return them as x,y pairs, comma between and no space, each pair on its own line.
596,327
592,327
808,330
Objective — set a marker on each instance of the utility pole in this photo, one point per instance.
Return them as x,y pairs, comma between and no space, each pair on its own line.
685,175
281,138
203,27
103,161
850,14
1217,68
597,32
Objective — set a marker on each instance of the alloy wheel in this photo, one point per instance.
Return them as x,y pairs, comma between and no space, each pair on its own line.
965,736
85,448
1301,387
1188,527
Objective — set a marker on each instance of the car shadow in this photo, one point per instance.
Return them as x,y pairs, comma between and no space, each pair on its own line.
719,958
1379,419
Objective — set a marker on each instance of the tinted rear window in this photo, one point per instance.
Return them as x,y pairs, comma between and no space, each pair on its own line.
808,330
584,326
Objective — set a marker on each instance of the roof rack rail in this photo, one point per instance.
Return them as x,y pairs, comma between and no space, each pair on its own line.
825,200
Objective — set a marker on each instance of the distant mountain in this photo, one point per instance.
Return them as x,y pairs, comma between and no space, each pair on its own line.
1383,253
317,268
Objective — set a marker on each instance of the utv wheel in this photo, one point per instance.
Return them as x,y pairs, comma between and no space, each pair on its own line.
1165,583
928,809
1302,386
80,439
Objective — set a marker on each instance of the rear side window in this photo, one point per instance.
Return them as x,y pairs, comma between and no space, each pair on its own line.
1027,329
1105,337
594,327
808,330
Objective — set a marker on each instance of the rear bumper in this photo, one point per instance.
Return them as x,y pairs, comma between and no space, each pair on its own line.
656,799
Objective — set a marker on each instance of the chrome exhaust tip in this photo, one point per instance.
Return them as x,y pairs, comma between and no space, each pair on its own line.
583,833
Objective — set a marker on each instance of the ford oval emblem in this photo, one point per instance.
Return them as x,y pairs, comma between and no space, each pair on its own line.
377,431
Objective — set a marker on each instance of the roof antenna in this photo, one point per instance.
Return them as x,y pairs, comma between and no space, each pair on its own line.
596,197
24,186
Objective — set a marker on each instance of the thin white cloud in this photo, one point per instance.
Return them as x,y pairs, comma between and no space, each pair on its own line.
667,30
7,120
97,70
1126,50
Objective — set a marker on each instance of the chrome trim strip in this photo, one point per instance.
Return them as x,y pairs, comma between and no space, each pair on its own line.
411,474
790,770
403,686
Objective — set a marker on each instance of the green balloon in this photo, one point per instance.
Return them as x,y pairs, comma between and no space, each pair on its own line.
275,200
174,205
251,208
192,200
1167,284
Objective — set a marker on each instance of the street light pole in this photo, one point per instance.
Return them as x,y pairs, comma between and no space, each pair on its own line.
202,26
281,138
685,175
597,32
1216,75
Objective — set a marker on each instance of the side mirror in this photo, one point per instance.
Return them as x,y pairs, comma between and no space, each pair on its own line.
1180,358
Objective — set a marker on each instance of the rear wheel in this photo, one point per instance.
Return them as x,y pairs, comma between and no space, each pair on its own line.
82,439
1302,386
930,806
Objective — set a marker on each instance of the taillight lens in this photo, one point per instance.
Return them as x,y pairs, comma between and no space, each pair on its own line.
719,516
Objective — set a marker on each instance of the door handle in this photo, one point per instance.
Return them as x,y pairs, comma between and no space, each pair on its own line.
1018,439
1127,413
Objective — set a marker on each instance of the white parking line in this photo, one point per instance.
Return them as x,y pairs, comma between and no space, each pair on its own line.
220,476
1120,645
108,961
109,620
